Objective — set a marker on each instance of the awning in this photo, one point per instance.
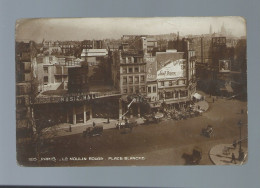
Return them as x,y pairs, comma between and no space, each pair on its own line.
197,96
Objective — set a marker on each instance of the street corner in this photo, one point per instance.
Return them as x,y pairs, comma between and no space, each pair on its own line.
227,154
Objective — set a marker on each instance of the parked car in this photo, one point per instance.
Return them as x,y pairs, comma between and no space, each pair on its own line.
93,131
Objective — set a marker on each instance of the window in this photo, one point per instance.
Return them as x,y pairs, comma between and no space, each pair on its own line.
22,90
149,89
142,89
177,94
45,79
136,89
170,83
168,95
136,79
124,70
131,89
58,79
45,70
58,70
130,79
154,89
125,91
124,80
83,79
124,60
135,59
183,93
141,68
136,69
162,83
130,70
129,59
142,79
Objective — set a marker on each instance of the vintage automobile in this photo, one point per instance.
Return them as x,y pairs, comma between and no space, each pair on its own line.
149,118
196,156
93,131
208,131
126,124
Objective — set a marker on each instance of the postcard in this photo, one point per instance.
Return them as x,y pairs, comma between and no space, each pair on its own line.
131,91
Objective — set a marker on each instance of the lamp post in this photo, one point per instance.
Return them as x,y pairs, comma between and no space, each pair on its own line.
240,152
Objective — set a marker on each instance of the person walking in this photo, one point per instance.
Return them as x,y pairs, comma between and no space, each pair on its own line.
233,158
94,124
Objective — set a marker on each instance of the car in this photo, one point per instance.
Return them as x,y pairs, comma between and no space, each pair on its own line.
208,131
93,131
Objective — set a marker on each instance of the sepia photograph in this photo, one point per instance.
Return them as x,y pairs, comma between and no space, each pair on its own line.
152,91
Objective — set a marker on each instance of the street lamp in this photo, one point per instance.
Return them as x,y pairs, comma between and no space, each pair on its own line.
241,153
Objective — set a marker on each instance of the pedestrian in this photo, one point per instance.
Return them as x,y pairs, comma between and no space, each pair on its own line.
233,158
234,144
94,124
213,99
70,128
108,120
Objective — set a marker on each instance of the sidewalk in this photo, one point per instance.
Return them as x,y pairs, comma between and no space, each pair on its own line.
222,154
64,129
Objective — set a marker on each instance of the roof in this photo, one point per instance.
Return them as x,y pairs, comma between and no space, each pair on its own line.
94,52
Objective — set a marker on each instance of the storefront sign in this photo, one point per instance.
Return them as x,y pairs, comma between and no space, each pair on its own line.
73,98
174,69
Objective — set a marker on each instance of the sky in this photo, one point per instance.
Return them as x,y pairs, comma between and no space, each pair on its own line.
101,28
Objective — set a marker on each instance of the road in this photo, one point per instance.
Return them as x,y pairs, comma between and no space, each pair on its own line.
154,144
